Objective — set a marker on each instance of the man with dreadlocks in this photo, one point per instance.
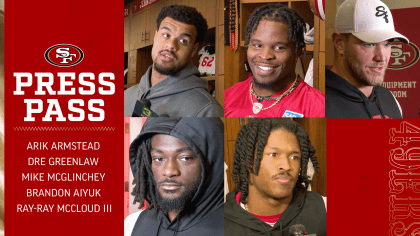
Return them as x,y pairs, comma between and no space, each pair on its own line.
178,169
274,41
270,175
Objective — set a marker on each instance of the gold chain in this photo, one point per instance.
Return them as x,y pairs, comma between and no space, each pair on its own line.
289,91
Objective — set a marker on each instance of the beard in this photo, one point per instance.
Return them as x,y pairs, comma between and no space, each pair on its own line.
357,72
265,82
165,70
282,76
280,191
179,203
263,85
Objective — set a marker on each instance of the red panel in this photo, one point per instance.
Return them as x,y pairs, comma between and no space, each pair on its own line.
361,158
96,28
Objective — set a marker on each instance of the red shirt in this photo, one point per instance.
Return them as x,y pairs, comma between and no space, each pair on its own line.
304,100
269,219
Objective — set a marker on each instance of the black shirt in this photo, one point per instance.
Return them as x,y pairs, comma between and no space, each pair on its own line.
344,100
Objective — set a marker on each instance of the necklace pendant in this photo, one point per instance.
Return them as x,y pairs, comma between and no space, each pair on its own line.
257,107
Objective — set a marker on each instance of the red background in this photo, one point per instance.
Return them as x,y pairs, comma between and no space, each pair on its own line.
403,21
31,27
358,176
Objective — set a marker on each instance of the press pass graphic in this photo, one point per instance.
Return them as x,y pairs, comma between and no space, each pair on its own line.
34,85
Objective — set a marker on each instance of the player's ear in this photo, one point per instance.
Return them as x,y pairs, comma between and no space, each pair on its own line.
338,40
155,37
195,48
297,55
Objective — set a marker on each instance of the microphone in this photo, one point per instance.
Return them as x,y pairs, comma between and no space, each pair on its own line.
298,229
142,109
146,102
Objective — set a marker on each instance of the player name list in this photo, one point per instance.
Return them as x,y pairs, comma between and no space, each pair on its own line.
65,171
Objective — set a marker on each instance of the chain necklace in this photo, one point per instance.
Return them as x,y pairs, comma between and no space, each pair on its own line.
257,107
262,98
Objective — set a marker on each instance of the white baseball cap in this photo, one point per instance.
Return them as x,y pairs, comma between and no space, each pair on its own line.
369,20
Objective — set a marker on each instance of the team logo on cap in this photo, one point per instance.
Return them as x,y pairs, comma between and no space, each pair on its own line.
64,55
403,55
380,11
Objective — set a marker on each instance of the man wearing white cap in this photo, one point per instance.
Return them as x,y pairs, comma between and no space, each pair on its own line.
362,48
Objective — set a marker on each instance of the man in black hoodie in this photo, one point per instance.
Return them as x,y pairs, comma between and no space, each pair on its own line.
177,164
362,48
270,175
171,84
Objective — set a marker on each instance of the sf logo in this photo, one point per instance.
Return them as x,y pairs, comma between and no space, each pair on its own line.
403,55
65,54
399,55
380,11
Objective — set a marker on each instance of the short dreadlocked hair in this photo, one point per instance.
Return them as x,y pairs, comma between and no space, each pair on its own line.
277,12
186,15
251,141
145,188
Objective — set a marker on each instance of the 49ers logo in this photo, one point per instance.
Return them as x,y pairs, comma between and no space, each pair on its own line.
403,55
64,55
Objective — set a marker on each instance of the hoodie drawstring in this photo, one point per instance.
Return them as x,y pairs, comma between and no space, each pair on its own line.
379,106
144,95
281,228
367,110
176,228
160,222
265,228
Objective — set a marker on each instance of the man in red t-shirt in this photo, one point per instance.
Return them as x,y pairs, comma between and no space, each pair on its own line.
271,181
274,41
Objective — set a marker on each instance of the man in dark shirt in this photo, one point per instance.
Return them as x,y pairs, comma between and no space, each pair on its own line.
270,175
177,165
362,48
